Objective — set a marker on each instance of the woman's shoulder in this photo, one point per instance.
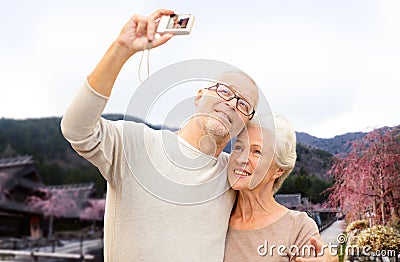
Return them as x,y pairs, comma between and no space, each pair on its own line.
297,214
305,227
301,218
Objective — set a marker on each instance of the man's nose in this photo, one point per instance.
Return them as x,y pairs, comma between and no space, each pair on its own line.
232,103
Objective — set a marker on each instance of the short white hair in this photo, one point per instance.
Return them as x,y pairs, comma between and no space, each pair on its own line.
285,143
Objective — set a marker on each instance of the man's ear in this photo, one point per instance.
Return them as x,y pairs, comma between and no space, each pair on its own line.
198,97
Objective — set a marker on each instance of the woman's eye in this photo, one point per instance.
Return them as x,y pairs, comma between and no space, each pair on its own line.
257,152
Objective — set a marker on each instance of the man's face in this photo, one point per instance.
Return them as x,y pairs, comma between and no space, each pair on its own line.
220,117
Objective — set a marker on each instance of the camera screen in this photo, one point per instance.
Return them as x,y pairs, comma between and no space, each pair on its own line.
178,21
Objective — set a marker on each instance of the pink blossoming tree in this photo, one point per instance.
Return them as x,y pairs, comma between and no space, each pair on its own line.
53,203
94,211
367,180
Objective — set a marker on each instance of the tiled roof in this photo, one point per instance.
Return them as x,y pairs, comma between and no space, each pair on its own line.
20,181
289,200
72,187
15,161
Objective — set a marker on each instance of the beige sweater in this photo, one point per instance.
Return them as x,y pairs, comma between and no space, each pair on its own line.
165,200
276,242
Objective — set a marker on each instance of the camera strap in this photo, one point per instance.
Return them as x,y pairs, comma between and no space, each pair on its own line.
148,64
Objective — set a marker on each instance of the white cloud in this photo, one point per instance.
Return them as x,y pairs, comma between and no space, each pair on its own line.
330,67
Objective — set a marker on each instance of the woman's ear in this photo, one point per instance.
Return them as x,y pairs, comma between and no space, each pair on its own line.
198,97
279,172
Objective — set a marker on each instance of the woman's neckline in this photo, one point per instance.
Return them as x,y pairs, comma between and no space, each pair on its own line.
264,227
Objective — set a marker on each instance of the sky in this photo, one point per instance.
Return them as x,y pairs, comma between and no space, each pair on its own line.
330,67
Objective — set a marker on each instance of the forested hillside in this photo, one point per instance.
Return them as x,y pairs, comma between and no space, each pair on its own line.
59,164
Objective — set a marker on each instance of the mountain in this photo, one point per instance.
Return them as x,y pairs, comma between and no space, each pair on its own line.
335,145
58,163
312,161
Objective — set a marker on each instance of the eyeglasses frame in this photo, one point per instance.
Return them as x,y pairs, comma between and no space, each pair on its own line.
235,96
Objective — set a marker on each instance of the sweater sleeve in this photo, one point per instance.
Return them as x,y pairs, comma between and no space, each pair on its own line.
94,138
306,228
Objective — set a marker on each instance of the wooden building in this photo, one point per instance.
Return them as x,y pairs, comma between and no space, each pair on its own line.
19,183
19,179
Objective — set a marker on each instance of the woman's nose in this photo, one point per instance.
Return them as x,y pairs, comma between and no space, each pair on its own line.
243,157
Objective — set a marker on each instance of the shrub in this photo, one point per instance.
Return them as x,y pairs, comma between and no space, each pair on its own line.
379,238
357,225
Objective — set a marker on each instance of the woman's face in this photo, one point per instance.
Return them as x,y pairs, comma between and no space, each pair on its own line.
251,163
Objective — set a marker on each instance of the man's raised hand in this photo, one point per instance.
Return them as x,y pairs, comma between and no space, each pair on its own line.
139,32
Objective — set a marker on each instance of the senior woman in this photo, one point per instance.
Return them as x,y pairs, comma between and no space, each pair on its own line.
261,229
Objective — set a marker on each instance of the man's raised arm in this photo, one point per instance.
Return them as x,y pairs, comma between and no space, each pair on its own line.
91,136
84,112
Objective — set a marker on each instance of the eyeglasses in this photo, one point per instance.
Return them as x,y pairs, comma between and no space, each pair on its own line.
226,93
